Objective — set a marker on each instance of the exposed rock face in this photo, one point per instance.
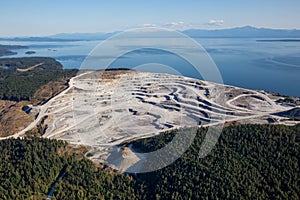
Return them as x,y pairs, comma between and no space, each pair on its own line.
103,109
293,114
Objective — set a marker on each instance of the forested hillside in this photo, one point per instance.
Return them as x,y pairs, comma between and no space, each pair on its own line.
249,162
20,78
29,167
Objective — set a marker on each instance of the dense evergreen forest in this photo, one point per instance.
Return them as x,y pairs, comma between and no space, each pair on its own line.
29,167
17,83
249,162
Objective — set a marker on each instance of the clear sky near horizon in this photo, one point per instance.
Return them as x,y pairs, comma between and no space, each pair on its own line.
41,17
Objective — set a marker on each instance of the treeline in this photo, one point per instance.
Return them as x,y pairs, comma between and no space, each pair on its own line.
16,85
248,162
28,168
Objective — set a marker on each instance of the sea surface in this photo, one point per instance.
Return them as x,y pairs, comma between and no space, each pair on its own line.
272,66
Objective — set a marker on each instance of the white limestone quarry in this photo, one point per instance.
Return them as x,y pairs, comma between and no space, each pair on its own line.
102,109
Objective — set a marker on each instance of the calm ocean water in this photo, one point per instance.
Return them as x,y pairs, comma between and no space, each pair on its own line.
270,66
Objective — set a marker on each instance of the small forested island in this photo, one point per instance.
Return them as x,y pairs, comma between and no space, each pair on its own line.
6,50
30,52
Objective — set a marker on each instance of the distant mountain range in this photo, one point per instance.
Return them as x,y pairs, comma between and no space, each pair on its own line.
244,32
239,32
64,37
84,36
37,39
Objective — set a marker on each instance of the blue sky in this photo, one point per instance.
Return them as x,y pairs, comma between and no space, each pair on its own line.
46,17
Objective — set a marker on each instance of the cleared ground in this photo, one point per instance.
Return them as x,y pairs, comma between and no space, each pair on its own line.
103,109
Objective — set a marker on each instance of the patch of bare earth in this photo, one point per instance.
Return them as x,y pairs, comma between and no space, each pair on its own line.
13,118
29,68
49,90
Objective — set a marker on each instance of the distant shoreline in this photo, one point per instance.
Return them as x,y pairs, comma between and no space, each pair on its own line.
280,40
7,50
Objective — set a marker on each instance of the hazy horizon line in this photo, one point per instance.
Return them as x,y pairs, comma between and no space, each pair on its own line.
158,27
